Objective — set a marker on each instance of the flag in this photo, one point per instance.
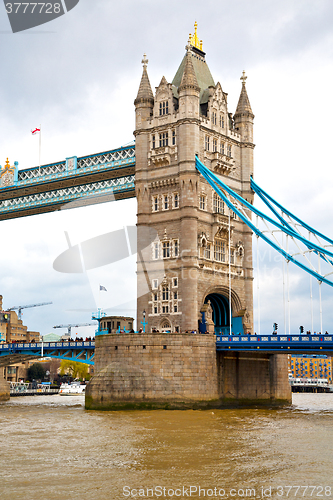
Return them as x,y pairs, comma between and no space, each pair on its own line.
35,131
102,288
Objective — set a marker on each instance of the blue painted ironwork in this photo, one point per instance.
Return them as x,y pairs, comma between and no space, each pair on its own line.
275,343
98,316
289,227
82,352
113,159
47,187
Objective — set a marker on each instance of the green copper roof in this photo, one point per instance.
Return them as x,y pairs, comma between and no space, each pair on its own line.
202,73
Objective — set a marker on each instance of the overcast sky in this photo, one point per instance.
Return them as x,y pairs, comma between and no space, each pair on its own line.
78,76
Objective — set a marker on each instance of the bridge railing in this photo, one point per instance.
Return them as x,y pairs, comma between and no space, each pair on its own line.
275,342
115,158
46,345
79,171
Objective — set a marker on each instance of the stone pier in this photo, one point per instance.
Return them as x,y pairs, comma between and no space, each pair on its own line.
253,378
181,371
4,387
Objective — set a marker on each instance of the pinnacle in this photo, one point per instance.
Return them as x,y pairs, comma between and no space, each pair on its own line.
243,105
188,78
145,91
163,81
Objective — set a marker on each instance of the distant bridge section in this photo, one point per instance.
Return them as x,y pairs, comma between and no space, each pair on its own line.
276,343
76,181
82,352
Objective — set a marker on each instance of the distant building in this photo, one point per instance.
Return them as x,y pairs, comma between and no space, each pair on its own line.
114,324
310,366
12,328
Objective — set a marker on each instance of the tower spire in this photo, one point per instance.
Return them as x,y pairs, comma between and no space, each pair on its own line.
145,92
243,105
189,79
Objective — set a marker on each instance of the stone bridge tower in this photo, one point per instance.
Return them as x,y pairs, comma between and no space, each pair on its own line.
183,227
184,257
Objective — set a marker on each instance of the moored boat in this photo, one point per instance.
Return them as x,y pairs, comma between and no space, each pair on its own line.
72,389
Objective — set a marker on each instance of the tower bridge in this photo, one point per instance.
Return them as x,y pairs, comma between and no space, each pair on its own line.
192,156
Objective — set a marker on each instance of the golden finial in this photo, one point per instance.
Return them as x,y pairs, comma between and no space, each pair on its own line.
7,165
194,40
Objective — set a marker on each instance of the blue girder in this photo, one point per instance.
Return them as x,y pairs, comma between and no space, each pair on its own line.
82,352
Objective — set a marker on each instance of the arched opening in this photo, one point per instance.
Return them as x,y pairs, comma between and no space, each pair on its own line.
165,326
221,316
220,312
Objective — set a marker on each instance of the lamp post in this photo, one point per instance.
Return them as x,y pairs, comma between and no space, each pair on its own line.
144,322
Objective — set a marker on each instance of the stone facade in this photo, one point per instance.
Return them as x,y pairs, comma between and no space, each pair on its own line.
188,263
253,377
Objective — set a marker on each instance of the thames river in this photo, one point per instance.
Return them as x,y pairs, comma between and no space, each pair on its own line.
51,448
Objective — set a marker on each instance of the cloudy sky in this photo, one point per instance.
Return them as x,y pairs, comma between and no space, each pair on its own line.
78,76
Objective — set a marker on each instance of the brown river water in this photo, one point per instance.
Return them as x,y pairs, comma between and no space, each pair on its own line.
51,448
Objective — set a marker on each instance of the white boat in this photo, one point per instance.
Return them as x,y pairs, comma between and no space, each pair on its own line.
72,389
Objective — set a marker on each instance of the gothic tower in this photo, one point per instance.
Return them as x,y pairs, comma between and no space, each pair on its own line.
187,239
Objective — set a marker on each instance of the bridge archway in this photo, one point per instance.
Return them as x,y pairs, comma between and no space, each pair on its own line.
220,304
220,311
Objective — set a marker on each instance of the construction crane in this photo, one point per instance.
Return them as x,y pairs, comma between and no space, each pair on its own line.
19,308
70,326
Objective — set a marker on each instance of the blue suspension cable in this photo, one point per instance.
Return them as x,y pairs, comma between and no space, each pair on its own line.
214,182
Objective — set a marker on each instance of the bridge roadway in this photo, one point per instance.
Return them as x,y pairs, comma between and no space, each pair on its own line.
84,352
289,344
73,182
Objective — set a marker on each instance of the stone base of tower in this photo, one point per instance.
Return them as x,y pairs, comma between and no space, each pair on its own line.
247,378
155,371
4,388
182,371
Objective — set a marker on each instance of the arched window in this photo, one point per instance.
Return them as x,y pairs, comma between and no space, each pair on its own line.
165,293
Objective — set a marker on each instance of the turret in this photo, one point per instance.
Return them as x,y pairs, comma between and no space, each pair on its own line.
244,115
189,90
144,101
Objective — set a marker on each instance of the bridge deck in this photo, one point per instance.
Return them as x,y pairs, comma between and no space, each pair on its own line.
76,351
85,180
84,351
276,343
